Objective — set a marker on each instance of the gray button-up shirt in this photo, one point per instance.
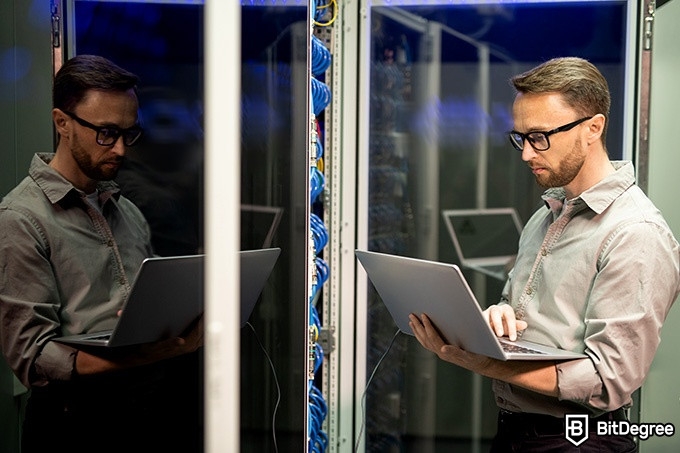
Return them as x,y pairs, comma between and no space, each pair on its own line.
65,268
596,274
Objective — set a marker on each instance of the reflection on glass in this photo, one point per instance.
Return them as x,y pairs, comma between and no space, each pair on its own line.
273,192
440,112
163,173
162,42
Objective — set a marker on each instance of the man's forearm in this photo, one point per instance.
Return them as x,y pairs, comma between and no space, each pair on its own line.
539,377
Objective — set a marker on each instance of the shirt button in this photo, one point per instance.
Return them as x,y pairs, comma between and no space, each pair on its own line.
544,252
529,291
121,281
109,243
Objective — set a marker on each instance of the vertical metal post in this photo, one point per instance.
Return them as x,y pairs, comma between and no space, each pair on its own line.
222,200
56,13
642,155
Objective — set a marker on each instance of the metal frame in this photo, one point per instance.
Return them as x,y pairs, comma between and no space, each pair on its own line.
363,11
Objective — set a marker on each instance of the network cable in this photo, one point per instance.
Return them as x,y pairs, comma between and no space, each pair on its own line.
276,381
320,96
368,383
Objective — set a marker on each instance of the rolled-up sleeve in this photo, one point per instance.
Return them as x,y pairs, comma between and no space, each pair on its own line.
631,295
29,309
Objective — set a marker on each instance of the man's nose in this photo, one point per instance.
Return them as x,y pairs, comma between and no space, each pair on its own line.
119,147
528,151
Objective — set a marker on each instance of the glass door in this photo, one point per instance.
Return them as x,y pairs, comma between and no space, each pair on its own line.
162,41
439,106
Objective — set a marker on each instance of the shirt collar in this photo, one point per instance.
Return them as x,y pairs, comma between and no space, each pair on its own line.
602,194
55,186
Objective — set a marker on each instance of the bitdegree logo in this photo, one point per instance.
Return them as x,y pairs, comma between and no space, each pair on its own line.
576,429
642,430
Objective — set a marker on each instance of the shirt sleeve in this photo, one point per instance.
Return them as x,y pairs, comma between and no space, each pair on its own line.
29,307
636,284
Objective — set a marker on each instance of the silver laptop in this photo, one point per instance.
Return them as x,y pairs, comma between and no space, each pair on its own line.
410,285
485,240
167,297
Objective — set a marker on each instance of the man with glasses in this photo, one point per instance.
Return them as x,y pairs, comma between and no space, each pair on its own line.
597,271
70,247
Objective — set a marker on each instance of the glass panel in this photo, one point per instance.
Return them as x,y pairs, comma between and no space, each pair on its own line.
440,108
162,42
274,188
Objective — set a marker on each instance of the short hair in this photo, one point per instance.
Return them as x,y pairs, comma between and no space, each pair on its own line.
88,72
580,83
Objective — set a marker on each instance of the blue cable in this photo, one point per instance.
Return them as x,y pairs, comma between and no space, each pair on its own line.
322,271
321,57
319,232
317,182
321,96
319,149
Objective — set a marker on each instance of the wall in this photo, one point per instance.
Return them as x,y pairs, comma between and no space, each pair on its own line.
661,392
25,127
25,86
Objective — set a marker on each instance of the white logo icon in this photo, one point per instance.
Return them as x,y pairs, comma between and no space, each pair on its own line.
576,428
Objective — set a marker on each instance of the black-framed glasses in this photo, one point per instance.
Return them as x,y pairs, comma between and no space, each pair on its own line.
539,139
108,135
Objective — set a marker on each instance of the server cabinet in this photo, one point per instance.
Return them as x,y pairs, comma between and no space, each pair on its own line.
434,106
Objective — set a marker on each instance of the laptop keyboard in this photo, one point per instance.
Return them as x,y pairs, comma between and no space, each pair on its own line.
104,336
513,348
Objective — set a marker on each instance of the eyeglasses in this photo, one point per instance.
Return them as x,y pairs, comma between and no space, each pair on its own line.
108,135
538,139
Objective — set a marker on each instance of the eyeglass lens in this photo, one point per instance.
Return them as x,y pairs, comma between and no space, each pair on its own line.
538,140
107,136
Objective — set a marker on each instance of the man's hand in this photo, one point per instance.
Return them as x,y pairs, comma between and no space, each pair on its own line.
537,376
88,363
428,336
502,320
190,341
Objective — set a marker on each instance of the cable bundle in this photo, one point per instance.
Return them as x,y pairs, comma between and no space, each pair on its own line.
320,99
323,8
321,57
318,410
321,96
319,232
317,183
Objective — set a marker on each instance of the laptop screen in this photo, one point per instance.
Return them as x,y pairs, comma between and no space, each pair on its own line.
258,225
483,233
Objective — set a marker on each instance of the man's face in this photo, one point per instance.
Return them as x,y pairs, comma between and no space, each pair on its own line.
94,161
559,165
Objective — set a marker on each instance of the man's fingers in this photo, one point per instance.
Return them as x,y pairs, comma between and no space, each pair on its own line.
425,332
503,322
496,320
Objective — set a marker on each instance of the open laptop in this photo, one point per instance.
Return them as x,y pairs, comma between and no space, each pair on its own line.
410,285
485,240
167,296
259,225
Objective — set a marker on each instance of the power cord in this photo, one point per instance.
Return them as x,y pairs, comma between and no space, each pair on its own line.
363,397
276,381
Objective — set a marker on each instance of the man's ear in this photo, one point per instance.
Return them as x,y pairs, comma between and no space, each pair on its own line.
60,121
595,128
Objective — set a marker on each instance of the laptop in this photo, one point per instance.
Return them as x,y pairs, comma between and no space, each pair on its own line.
410,285
485,240
167,296
259,225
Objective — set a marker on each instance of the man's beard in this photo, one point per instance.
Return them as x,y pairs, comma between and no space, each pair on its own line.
95,171
567,171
